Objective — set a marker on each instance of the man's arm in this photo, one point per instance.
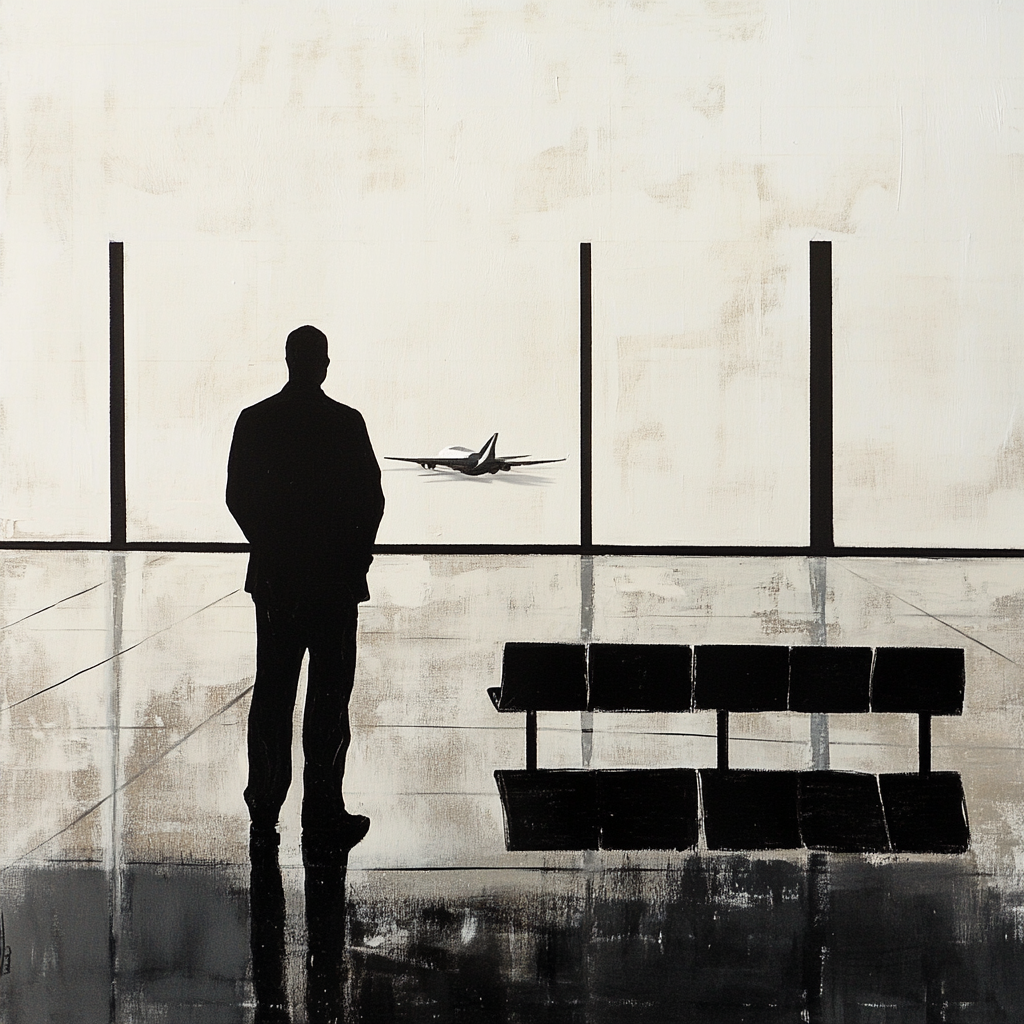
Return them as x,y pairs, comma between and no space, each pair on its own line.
370,496
241,479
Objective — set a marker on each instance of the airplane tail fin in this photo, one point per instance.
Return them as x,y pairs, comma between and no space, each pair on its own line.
487,452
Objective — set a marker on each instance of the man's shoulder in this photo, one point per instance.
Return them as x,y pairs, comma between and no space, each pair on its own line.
259,408
342,411
279,404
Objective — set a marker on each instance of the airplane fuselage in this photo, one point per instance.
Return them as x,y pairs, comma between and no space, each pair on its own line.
462,460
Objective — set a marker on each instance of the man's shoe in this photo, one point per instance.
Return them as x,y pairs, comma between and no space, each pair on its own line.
340,835
353,829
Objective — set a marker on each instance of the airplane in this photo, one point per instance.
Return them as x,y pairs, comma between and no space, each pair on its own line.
473,463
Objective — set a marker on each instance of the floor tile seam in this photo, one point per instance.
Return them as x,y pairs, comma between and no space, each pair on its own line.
134,778
930,615
113,657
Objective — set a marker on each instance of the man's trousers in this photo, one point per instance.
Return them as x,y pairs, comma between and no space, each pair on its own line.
287,625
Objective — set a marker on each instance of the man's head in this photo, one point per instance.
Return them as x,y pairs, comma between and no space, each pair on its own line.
305,352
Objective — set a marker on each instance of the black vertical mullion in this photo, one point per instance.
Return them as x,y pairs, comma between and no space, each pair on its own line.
118,495
821,501
586,405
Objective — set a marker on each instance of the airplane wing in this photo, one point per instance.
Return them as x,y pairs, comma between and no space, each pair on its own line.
433,460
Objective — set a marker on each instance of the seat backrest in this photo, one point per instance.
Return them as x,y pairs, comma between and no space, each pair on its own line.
740,677
731,677
919,680
543,677
640,677
829,679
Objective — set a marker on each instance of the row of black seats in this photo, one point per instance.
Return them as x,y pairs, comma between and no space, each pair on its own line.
657,809
730,677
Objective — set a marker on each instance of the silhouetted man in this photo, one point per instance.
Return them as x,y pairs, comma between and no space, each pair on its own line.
304,486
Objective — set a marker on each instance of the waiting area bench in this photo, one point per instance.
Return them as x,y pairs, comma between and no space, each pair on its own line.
741,809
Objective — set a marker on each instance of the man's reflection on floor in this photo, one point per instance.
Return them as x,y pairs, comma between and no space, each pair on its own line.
325,936
325,939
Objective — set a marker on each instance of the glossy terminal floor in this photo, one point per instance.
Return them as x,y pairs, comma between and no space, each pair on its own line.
128,895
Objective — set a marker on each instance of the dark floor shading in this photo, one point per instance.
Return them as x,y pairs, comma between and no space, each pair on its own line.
715,939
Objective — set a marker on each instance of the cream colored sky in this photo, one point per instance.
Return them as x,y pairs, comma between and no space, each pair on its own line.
416,178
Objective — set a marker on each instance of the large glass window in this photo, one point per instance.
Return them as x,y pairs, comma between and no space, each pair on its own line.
417,180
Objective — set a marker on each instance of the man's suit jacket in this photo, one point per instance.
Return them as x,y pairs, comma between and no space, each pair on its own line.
304,486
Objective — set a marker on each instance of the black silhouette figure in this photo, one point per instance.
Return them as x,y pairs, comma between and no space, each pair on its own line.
304,486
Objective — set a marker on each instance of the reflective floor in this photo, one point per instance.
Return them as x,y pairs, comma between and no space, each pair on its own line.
128,893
